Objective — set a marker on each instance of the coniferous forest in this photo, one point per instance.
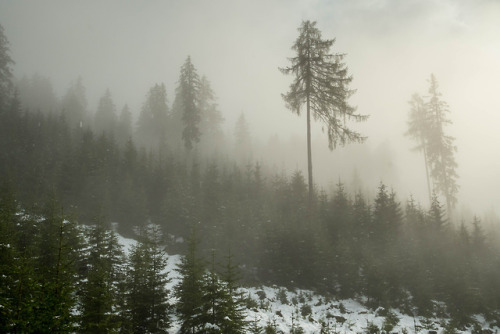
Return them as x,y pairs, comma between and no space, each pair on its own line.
71,179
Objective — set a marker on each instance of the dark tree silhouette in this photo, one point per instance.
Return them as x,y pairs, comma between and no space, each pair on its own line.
188,99
322,84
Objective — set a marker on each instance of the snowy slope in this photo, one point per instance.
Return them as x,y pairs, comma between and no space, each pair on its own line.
282,308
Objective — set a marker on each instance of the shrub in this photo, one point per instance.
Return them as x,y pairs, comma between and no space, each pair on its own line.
371,328
305,310
391,321
282,297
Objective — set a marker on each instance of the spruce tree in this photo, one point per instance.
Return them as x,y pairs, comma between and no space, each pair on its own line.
342,237
478,235
254,327
213,300
361,219
441,148
436,215
124,128
189,291
233,304
418,129
322,84
58,247
147,295
153,119
386,218
382,278
188,100
100,283
24,286
105,119
74,106
211,118
243,140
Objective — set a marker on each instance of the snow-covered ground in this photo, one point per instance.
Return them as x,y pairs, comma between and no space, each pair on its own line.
305,309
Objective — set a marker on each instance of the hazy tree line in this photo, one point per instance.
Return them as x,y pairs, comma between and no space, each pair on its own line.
347,245
394,254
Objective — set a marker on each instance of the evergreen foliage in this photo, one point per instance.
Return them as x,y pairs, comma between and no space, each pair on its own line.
417,129
103,272
74,106
58,251
211,134
441,148
243,140
58,276
233,305
322,84
145,288
353,246
190,290
124,126
188,97
427,121
105,119
153,119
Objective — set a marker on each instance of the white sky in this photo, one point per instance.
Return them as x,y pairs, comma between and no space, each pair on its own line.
392,48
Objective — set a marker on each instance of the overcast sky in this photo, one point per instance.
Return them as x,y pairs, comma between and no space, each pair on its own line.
392,48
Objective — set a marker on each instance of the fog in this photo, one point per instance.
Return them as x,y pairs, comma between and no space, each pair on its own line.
392,48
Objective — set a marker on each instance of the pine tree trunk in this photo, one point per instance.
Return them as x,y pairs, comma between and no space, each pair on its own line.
427,173
309,156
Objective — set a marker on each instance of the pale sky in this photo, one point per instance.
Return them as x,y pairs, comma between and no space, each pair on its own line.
392,47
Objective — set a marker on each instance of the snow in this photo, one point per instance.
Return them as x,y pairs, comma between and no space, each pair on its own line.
343,316
126,243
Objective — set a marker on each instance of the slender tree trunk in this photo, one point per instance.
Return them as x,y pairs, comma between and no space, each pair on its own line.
427,172
447,194
309,156
308,106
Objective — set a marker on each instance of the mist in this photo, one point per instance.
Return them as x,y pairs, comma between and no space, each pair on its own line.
392,48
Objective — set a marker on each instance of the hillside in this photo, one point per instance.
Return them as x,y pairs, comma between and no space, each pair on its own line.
304,309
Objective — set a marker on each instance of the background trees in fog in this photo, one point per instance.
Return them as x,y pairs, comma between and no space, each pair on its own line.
6,63
426,124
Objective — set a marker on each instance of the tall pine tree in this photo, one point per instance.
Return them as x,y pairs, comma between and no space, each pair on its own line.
418,127
322,84
188,101
441,148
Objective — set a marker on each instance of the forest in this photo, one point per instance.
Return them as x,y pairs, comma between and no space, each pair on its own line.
70,180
